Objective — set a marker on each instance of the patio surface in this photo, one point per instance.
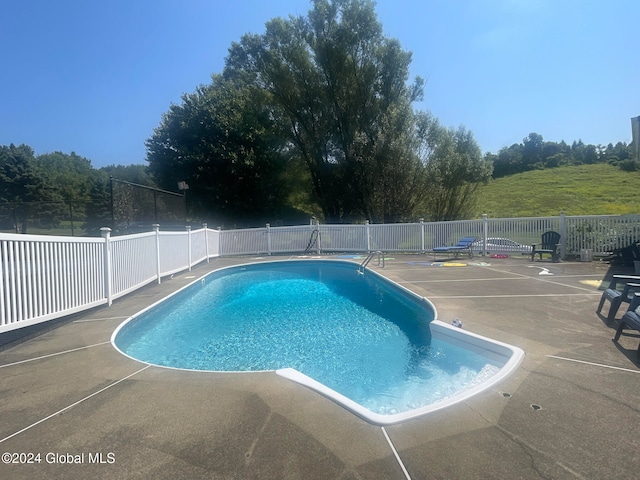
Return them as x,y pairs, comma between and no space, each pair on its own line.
570,411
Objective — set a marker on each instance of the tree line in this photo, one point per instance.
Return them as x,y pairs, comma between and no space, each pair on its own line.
535,154
313,117
43,190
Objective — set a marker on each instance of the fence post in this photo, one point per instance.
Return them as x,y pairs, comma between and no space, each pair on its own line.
422,250
268,227
189,245
563,235
106,255
206,241
368,233
485,230
156,229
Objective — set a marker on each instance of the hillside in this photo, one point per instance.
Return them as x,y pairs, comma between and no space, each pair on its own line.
598,189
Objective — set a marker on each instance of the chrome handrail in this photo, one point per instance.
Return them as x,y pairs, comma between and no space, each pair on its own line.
366,261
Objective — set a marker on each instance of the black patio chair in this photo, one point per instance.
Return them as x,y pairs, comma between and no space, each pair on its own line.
550,244
616,297
630,320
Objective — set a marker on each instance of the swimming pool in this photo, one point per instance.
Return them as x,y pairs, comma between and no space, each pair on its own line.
361,340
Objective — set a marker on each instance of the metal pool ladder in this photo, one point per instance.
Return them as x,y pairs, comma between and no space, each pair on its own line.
366,261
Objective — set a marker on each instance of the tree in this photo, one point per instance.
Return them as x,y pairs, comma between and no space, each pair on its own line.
508,161
223,142
68,175
98,208
455,169
135,173
20,183
340,88
532,147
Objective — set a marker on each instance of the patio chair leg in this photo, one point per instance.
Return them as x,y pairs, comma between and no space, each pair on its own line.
601,304
619,331
613,308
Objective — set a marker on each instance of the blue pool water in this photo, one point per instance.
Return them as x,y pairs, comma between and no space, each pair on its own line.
357,334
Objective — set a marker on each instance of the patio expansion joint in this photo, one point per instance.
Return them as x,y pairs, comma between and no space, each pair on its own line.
395,453
55,354
631,407
594,364
520,295
101,319
552,280
68,407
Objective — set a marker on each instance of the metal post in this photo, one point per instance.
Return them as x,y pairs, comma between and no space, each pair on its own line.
422,249
113,215
71,216
368,233
155,207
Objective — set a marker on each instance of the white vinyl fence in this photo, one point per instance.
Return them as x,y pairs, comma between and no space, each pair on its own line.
43,277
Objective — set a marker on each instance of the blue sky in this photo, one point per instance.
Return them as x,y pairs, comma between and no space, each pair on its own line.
95,77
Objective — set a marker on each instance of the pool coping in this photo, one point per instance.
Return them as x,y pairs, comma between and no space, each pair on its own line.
509,356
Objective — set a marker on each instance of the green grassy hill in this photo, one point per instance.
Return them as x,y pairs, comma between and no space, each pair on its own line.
599,189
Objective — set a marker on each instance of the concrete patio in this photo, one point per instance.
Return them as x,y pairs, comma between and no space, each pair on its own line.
76,408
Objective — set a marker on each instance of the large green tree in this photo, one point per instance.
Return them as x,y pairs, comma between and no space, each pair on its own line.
223,142
340,88
455,169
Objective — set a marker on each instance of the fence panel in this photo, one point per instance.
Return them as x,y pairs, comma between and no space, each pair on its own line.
291,239
601,234
198,246
524,231
43,277
213,243
174,252
343,238
442,234
250,241
504,233
132,262
396,237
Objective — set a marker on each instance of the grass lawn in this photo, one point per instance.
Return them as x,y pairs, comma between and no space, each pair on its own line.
599,189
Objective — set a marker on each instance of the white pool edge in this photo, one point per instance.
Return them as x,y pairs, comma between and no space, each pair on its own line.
439,329
491,348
